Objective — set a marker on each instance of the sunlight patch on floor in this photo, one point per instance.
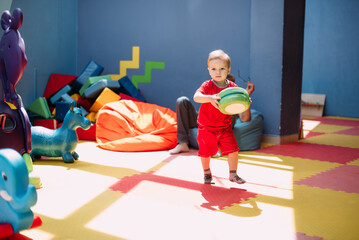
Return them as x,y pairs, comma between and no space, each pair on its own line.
37,234
273,165
70,189
309,125
276,181
167,212
140,161
261,157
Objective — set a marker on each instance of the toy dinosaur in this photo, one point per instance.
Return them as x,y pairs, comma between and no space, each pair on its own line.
60,142
16,194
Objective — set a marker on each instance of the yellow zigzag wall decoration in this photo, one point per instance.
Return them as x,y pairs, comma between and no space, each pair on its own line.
135,63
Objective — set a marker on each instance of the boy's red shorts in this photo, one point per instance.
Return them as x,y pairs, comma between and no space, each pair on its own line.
209,139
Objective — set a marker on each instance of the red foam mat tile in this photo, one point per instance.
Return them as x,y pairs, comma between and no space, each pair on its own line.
312,151
308,134
342,178
336,121
302,236
351,131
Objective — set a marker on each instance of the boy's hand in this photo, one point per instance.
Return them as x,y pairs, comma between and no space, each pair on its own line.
250,88
213,99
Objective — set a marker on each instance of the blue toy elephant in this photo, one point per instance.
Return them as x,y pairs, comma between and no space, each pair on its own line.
16,194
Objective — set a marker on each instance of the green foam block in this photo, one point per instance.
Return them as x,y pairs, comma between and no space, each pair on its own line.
40,107
92,80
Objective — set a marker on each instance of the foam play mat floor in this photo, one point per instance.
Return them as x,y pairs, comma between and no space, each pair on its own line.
306,190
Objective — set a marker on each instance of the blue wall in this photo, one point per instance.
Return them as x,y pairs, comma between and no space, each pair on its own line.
266,60
5,5
331,55
179,33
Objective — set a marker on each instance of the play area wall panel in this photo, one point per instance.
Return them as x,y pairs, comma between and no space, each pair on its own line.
331,55
178,33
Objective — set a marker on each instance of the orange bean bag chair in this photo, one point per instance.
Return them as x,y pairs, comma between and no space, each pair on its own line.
133,126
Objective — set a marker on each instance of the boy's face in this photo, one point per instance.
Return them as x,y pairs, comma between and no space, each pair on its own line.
218,69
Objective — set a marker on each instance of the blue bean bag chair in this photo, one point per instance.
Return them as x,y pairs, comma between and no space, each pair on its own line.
248,134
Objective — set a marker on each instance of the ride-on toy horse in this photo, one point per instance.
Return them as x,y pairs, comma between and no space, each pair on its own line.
60,142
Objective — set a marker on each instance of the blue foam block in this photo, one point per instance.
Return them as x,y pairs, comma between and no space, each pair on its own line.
92,80
61,109
68,99
58,95
128,88
92,69
95,89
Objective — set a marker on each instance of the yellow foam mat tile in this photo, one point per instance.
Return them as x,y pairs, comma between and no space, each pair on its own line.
355,162
297,166
340,140
247,208
106,171
328,128
74,226
313,211
264,144
325,213
344,118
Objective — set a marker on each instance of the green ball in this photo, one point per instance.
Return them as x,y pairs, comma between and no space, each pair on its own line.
234,100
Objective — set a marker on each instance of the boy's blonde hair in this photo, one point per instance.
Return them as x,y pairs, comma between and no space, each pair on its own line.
219,54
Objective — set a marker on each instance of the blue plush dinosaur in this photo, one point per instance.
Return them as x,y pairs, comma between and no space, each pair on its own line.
60,142
16,194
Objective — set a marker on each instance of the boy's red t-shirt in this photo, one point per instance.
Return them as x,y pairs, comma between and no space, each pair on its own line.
208,115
